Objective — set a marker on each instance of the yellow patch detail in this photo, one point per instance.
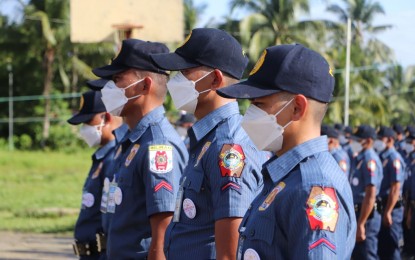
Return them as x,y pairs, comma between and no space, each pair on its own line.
259,63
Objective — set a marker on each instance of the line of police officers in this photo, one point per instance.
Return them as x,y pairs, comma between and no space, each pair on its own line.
259,186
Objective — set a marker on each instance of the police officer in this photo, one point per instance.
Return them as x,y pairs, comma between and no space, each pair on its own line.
400,139
335,148
410,216
96,131
223,174
390,194
365,179
305,210
141,194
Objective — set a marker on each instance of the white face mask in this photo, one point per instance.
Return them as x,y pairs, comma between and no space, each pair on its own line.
263,128
184,93
379,146
91,134
114,98
409,148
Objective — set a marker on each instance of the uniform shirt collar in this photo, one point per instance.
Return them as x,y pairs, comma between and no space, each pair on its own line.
387,152
202,127
120,132
103,151
281,166
153,116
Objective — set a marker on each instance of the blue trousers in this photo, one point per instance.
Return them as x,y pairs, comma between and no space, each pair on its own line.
389,237
368,249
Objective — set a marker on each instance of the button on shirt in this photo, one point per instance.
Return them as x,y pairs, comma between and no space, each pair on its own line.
305,210
368,171
342,158
89,221
119,134
220,181
145,182
393,171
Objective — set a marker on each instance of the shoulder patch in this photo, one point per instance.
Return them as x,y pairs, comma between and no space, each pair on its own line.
231,160
130,157
271,196
397,165
343,165
322,208
371,167
97,170
160,158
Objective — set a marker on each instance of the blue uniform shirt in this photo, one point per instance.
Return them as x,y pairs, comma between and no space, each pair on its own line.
305,210
146,180
220,181
368,171
342,158
89,221
393,171
411,179
119,134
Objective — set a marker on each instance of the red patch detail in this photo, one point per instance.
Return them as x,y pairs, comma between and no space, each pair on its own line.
371,167
322,209
231,185
231,160
322,241
163,184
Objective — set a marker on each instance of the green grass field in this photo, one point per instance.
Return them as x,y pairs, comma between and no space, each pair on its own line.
41,191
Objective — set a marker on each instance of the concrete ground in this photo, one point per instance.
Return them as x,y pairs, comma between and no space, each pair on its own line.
23,246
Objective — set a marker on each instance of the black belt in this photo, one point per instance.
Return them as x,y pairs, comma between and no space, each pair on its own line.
358,207
384,201
85,249
101,242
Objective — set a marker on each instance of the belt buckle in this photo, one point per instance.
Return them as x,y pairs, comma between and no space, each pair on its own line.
75,248
101,242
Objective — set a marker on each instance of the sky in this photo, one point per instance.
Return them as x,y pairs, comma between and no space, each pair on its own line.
398,13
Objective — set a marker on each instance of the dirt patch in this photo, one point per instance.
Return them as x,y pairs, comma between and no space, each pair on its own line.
22,246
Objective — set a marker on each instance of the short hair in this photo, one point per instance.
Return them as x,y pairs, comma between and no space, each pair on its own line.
160,81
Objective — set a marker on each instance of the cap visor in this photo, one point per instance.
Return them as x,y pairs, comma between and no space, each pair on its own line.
108,70
356,138
96,84
173,61
246,90
80,118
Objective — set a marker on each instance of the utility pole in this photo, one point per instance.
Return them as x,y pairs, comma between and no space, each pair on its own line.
347,77
10,70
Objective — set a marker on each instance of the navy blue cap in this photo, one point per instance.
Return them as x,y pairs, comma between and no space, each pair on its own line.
339,127
186,118
90,105
134,53
206,47
96,84
398,128
410,128
348,130
364,132
292,68
331,132
385,131
411,135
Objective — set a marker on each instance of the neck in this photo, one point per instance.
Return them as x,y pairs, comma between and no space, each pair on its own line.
138,112
296,136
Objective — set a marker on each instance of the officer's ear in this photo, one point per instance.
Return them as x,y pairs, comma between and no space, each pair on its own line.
217,81
107,118
300,103
147,85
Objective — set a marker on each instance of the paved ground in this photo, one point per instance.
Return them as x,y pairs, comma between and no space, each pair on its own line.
22,246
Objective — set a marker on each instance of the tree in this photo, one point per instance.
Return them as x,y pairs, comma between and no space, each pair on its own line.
192,14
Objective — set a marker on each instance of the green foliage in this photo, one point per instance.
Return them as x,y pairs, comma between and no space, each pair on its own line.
25,142
41,191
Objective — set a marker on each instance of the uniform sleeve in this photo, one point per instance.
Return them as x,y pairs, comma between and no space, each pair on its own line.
320,230
234,175
396,168
370,172
162,171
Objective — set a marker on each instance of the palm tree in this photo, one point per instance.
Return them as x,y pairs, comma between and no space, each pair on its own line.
273,22
192,14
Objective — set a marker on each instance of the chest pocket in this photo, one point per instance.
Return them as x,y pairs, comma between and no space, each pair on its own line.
262,229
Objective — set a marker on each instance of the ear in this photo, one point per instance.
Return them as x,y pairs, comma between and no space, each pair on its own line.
148,84
107,117
217,82
300,107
